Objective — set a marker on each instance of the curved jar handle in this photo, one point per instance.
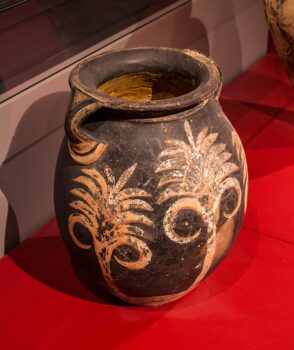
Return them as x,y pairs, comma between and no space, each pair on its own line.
83,148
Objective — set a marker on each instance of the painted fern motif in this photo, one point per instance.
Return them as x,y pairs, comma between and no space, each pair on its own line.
113,216
194,175
197,168
242,158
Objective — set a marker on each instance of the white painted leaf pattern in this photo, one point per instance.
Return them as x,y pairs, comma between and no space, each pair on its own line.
113,216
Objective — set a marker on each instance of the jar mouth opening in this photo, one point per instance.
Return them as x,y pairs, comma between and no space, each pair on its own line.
148,86
148,79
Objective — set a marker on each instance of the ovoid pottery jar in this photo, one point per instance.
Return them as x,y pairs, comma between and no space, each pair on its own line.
280,17
151,179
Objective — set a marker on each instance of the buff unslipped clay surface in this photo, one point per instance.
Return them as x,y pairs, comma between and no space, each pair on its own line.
151,181
280,17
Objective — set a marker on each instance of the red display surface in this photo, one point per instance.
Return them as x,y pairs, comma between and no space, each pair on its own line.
247,302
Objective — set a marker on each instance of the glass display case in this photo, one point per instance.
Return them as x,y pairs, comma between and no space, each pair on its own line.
40,34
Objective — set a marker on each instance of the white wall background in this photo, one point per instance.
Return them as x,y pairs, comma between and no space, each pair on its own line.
232,32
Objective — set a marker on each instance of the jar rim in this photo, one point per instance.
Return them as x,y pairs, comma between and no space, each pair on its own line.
94,71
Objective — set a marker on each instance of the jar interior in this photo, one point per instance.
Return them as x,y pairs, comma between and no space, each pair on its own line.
147,86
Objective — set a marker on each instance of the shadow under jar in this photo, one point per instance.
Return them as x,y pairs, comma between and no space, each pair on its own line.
151,179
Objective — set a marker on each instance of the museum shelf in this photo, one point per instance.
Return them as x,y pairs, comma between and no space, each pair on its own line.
246,303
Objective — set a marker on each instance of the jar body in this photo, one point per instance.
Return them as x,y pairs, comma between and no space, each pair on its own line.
160,207
280,17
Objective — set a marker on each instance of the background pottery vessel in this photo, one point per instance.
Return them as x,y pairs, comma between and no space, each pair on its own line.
280,17
151,180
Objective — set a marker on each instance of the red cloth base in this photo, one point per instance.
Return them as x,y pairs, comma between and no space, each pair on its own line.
247,302
264,87
270,158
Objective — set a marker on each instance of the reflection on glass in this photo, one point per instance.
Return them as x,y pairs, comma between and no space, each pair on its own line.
38,34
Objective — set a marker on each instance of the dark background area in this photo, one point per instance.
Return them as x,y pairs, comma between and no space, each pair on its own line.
39,34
